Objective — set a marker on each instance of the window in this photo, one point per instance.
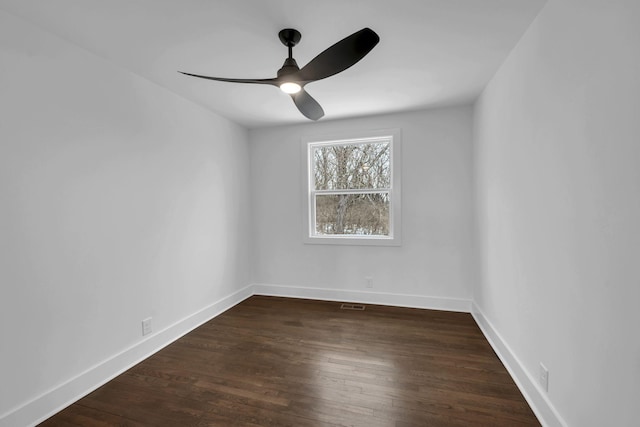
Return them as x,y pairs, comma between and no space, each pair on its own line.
353,189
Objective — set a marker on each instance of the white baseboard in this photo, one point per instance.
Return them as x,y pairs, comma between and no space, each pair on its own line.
399,300
532,392
58,398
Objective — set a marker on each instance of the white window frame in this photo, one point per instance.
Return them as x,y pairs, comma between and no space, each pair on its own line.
395,194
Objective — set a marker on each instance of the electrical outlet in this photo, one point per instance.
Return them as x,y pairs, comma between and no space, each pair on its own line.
369,280
544,377
146,326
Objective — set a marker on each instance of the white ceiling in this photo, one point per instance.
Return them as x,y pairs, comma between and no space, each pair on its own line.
431,53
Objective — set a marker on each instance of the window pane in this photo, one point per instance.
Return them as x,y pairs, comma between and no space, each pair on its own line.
352,166
352,214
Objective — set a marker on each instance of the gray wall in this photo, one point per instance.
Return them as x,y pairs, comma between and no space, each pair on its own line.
119,201
435,263
557,154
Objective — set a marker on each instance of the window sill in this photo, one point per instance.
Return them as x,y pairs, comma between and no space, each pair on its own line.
354,241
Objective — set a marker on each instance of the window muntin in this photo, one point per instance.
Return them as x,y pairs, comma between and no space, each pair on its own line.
353,190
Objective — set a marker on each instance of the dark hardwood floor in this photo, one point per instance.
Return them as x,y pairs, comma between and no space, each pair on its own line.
288,362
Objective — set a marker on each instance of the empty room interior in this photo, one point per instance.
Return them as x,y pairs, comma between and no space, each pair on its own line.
182,244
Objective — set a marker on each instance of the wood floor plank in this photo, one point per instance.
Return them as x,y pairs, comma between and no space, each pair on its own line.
289,362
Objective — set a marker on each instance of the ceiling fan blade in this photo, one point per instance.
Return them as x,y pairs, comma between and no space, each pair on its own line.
273,81
308,106
340,56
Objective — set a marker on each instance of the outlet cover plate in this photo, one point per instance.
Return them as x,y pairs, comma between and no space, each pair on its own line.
544,377
146,326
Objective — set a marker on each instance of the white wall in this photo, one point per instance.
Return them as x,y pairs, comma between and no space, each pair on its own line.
435,262
118,201
557,140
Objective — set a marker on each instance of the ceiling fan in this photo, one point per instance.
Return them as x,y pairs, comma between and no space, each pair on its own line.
292,79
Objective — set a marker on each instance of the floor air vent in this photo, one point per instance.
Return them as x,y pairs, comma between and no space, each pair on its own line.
352,307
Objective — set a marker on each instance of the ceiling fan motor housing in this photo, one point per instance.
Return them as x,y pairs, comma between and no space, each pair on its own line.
290,66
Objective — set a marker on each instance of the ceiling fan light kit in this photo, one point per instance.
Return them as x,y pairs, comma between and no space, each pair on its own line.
290,87
292,79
